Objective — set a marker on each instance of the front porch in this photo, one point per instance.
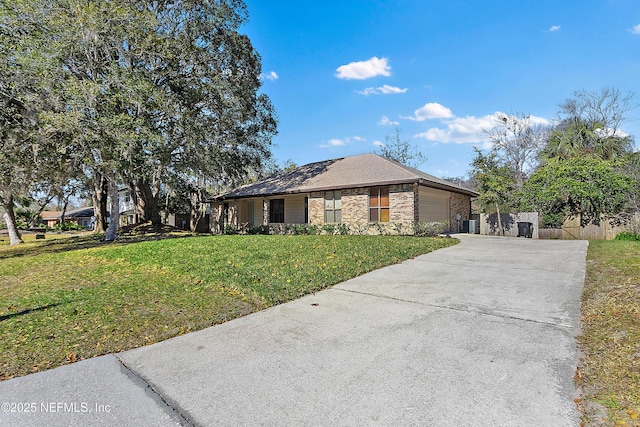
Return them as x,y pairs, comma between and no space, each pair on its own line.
250,213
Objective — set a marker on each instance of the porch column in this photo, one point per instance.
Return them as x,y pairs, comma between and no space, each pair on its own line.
265,211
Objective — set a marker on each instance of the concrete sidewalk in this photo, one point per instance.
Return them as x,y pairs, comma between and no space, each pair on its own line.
481,333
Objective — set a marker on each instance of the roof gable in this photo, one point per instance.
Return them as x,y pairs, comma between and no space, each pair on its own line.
366,170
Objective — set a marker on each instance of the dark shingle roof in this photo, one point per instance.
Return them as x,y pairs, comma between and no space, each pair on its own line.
366,170
71,213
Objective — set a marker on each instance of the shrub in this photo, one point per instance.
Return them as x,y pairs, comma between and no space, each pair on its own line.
430,229
398,228
343,229
329,228
299,229
66,226
259,229
231,229
628,235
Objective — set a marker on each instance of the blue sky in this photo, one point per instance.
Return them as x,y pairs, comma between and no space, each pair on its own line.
342,74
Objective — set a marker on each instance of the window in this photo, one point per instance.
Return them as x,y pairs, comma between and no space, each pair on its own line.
306,210
276,211
379,204
332,206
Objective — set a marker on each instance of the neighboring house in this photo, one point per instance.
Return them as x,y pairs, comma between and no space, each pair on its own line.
127,212
82,217
358,191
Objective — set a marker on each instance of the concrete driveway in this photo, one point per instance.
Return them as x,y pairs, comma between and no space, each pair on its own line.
481,333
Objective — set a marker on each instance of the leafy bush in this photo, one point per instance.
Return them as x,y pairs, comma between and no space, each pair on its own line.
67,226
259,229
329,228
628,236
230,229
430,229
23,217
343,229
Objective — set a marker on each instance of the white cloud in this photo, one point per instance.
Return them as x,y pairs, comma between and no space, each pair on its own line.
554,28
431,110
635,30
271,75
335,142
384,121
606,132
378,143
382,90
361,70
469,129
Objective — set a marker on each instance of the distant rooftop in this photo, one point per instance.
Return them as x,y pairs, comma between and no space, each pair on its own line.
71,213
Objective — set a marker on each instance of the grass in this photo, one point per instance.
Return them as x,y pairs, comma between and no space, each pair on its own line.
70,299
610,370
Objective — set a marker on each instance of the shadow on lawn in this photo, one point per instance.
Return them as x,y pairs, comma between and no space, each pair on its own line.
27,311
81,242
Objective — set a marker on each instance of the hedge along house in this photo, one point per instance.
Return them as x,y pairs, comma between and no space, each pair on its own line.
365,192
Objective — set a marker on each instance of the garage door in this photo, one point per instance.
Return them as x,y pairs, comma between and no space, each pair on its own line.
433,205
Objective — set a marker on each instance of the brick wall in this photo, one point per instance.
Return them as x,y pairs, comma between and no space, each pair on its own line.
459,203
402,206
316,208
355,206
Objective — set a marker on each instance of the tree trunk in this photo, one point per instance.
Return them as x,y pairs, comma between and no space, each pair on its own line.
146,203
10,219
196,210
64,212
35,220
499,220
112,230
99,202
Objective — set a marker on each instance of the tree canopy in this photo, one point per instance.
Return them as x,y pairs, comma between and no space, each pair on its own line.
584,165
585,186
142,95
401,151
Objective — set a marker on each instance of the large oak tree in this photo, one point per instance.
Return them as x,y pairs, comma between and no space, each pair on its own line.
151,92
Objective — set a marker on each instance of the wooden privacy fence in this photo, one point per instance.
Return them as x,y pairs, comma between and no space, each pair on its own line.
571,230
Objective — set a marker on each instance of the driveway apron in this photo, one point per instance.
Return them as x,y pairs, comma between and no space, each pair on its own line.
482,333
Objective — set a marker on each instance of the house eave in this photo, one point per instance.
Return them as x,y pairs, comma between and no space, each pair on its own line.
445,187
307,190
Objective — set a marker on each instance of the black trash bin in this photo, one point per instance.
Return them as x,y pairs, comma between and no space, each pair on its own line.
525,229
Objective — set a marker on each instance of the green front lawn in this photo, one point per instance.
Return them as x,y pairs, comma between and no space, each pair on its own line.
610,341
77,298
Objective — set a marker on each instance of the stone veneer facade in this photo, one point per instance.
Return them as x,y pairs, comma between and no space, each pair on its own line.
403,209
355,206
459,203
